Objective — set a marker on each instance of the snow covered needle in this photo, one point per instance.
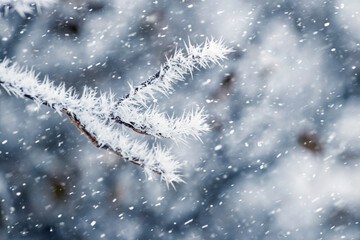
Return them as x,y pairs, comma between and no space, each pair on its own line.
102,117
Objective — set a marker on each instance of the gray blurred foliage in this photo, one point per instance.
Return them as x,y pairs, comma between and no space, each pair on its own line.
281,160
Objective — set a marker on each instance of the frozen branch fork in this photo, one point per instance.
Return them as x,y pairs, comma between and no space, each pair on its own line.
102,116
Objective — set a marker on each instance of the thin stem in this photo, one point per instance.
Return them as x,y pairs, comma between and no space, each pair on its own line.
144,84
130,125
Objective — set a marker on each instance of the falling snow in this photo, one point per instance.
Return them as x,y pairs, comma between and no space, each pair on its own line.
255,107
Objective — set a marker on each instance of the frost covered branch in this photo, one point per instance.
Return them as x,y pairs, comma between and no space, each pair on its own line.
98,115
152,122
23,7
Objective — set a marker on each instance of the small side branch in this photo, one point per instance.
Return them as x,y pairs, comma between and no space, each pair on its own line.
175,69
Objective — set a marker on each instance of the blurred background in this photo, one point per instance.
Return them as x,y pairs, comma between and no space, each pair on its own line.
282,157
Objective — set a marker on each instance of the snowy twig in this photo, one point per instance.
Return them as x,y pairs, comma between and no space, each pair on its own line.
98,115
175,69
